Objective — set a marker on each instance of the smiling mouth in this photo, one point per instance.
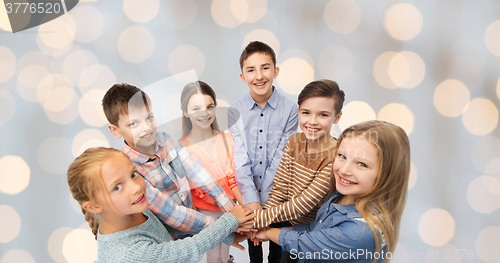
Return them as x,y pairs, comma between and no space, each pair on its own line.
204,120
313,130
140,200
147,136
260,85
346,181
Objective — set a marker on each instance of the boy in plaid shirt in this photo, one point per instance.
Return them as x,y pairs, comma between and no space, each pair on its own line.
168,168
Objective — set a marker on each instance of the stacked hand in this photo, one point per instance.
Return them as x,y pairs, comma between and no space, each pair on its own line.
245,216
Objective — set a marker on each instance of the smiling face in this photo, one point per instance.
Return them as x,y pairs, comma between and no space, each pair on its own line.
124,187
258,72
356,167
316,117
201,111
138,128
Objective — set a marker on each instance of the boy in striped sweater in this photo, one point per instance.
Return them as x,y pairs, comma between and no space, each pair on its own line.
302,181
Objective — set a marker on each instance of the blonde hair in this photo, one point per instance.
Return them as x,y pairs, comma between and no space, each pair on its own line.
382,206
84,179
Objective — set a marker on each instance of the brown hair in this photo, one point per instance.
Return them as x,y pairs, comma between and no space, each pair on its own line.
324,88
84,179
188,91
119,98
382,206
257,47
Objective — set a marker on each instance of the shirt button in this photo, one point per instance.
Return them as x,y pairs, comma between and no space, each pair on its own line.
260,162
260,130
261,115
260,147
259,191
260,178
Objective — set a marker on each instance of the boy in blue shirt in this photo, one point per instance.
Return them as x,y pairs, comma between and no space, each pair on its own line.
261,123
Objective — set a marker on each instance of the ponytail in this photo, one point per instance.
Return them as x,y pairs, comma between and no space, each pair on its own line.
84,179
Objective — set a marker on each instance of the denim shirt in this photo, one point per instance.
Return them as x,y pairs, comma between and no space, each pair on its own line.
338,234
260,136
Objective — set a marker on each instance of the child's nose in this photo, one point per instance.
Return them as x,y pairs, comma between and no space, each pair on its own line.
345,170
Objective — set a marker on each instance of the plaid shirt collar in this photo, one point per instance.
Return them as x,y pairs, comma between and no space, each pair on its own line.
160,151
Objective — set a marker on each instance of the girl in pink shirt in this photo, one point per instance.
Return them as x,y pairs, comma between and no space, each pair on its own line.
201,135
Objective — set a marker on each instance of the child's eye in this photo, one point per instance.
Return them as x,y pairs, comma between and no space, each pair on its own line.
324,115
305,113
341,156
132,124
150,118
210,107
117,188
266,68
134,175
362,164
250,70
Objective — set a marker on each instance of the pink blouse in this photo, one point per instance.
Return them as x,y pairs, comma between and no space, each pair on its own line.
220,164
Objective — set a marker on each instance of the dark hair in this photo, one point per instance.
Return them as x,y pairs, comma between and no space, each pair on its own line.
257,47
188,91
324,88
119,97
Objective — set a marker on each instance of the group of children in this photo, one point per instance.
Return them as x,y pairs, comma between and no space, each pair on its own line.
314,197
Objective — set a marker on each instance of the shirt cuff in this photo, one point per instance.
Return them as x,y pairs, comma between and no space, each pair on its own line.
288,239
250,197
233,223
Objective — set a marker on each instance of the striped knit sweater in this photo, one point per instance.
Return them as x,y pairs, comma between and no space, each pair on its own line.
301,185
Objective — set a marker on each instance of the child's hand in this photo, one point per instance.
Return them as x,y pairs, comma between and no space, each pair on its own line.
254,206
262,235
237,239
243,214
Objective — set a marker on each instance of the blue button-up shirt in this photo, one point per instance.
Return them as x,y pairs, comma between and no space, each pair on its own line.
339,233
260,136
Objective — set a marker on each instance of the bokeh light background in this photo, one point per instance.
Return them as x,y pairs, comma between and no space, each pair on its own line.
432,67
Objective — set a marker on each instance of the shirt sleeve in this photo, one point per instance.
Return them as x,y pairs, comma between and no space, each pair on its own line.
189,249
298,205
202,178
347,238
178,217
289,130
230,152
243,164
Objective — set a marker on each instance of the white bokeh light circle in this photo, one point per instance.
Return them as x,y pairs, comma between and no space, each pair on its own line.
136,44
493,166
413,176
335,63
76,62
55,244
90,108
178,14
256,10
52,51
88,30
294,74
16,256
265,36
487,241
80,246
450,98
4,19
54,154
67,115
96,77
141,11
443,254
239,9
484,153
480,117
170,108
185,58
355,112
406,69
62,32
34,58
15,175
381,70
436,227
342,16
398,114
222,103
55,92
28,80
10,224
492,38
483,194
86,139
8,63
223,15
403,21
7,106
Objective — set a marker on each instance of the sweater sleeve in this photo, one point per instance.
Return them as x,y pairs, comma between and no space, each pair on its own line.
189,249
298,205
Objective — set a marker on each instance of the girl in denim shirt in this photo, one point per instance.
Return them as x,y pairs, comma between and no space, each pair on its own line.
360,221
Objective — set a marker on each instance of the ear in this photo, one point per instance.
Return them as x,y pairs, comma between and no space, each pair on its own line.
276,72
114,130
92,208
337,118
185,114
243,78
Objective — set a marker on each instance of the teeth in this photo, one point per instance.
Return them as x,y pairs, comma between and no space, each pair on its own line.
312,129
344,181
138,200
